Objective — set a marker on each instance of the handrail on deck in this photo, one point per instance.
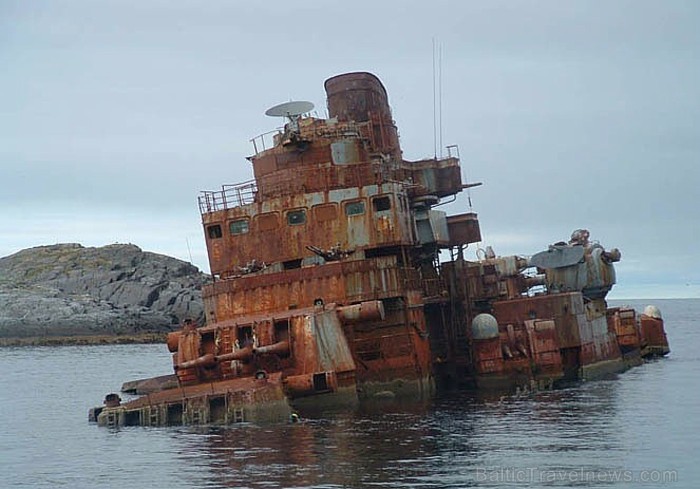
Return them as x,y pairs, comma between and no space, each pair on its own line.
228,197
263,142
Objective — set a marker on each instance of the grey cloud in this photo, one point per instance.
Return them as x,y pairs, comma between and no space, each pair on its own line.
573,113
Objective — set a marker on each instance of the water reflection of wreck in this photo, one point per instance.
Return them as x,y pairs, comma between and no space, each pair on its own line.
328,284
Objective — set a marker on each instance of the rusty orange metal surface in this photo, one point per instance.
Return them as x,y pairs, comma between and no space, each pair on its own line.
653,335
626,326
331,277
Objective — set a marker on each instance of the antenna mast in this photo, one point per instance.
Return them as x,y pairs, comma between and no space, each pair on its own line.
440,96
437,98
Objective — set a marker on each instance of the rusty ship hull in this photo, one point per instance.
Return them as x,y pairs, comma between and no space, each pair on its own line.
330,284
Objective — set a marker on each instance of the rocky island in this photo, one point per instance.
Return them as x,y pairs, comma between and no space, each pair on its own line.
68,293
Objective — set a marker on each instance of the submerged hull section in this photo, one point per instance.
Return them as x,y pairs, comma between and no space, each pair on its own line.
223,402
330,285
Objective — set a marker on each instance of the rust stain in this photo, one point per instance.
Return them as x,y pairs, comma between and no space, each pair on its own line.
335,275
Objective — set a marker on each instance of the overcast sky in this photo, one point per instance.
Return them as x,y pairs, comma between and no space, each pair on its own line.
115,114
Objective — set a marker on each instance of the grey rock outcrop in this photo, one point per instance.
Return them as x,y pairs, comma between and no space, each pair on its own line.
67,289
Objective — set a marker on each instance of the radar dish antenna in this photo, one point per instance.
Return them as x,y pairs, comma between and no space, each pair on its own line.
292,110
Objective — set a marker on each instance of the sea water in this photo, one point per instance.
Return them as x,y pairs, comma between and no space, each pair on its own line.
639,429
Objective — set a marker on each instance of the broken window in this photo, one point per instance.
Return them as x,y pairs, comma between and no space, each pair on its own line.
291,264
381,203
244,336
281,329
214,231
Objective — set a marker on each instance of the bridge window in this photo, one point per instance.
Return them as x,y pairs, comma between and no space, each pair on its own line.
381,203
354,208
214,231
238,227
296,217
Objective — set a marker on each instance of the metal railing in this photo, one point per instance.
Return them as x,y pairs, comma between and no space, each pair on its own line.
228,197
265,141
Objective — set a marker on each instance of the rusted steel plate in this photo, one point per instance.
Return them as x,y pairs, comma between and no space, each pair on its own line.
323,220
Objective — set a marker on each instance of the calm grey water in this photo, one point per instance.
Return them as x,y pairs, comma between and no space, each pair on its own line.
632,431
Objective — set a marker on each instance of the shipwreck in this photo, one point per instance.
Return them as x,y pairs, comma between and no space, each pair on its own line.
337,278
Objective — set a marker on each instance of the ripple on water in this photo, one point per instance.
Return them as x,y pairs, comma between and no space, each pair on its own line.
643,420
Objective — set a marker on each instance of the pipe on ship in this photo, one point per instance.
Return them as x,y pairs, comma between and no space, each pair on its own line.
280,348
364,311
209,360
241,354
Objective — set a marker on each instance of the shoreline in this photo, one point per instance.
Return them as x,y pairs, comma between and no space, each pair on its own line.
143,338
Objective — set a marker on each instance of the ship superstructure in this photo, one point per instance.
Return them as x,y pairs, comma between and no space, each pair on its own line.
337,276
336,216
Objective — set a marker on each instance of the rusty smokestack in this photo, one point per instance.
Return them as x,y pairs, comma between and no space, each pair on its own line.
361,97
354,96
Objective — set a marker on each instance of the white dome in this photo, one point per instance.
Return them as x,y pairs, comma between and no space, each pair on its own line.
652,311
484,327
